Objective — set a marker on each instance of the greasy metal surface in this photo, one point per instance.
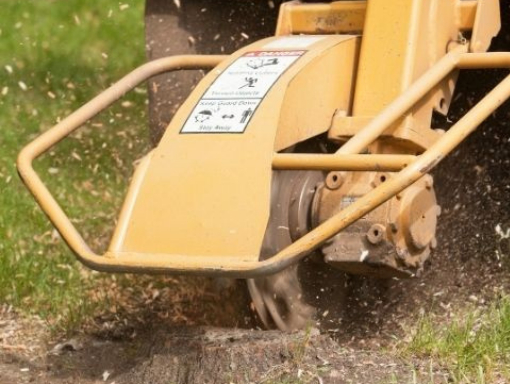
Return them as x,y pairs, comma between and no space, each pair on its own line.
393,240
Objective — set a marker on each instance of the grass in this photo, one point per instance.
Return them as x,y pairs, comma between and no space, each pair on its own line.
54,56
473,348
297,369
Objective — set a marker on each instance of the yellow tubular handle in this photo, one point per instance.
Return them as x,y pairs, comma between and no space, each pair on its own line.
63,129
302,161
185,264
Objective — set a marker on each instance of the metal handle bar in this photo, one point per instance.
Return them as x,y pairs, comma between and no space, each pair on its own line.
186,264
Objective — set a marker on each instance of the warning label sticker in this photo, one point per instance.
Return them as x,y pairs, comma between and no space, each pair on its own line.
229,103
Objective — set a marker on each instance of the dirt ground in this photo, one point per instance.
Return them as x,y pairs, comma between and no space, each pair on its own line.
214,341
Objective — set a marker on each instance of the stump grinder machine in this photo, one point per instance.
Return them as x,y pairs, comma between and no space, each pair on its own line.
300,158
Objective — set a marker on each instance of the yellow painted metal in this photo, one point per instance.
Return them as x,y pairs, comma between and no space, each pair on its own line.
322,18
487,24
142,262
388,163
208,195
393,55
403,103
311,99
404,50
348,17
68,125
423,164
466,13
199,203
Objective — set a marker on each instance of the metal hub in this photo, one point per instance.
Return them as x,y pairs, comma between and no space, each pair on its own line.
279,299
311,291
394,240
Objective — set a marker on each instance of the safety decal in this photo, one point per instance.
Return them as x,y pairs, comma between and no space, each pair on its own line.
229,103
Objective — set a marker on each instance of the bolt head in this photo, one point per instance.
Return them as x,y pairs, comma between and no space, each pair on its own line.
376,233
334,180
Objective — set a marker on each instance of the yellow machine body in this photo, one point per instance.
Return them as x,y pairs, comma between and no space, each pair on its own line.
206,191
368,74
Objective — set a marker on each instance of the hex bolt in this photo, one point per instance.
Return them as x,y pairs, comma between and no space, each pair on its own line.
334,180
378,180
376,233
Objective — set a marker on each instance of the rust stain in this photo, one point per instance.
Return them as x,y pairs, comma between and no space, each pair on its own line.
432,164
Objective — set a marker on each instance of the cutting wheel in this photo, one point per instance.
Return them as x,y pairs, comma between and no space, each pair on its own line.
310,293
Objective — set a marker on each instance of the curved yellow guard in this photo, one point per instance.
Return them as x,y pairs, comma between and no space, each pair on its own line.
205,190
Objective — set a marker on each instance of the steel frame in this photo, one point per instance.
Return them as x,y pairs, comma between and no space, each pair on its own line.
346,159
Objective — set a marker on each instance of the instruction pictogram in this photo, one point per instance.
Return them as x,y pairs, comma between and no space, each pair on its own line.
202,116
249,82
230,102
261,62
246,115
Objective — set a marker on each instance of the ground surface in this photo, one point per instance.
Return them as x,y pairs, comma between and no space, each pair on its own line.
206,332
